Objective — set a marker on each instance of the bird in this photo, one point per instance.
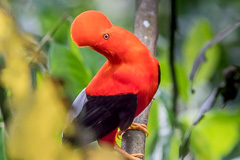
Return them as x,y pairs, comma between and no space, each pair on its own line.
122,88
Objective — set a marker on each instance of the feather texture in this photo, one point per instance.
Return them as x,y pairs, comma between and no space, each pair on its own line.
100,115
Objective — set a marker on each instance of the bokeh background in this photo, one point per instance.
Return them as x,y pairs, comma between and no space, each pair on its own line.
215,137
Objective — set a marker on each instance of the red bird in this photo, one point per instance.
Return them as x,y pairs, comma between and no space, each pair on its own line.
122,88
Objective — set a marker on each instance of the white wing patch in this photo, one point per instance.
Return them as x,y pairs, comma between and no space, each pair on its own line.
78,104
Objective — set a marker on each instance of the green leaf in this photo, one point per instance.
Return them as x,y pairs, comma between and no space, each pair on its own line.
215,135
184,148
92,59
5,114
218,37
2,157
175,144
68,65
235,153
152,128
199,34
73,47
166,80
153,117
160,144
182,80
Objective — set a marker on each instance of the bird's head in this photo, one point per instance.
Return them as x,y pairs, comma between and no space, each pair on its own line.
94,29
90,27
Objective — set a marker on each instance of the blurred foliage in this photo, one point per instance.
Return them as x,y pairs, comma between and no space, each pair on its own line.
202,30
38,115
1,144
67,64
36,86
216,135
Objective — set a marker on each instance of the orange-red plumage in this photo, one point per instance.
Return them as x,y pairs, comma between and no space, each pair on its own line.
130,68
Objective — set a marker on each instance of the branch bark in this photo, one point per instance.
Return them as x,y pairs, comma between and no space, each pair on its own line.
146,29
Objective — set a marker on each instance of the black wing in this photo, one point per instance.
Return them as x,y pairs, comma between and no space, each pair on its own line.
102,114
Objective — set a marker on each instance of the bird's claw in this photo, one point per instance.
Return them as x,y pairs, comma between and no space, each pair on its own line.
136,155
134,126
139,126
127,155
118,134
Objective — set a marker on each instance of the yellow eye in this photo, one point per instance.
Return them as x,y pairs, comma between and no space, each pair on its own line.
106,36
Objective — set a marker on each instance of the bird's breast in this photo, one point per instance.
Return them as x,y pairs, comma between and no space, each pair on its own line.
140,79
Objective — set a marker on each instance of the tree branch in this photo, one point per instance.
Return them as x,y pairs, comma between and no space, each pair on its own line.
145,28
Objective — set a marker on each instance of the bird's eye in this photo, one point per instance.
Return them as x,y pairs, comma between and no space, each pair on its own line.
106,36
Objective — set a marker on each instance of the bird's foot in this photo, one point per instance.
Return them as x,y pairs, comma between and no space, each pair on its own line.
136,155
134,126
139,126
118,134
127,155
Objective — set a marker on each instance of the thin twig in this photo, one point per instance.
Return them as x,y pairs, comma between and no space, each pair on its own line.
50,34
171,57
